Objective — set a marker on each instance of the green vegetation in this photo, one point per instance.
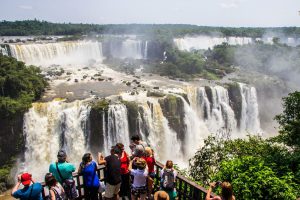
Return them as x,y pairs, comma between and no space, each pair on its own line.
289,121
257,168
101,105
35,27
19,86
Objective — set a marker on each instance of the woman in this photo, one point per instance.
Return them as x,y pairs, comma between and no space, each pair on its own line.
168,177
125,175
226,193
88,168
149,158
139,185
56,191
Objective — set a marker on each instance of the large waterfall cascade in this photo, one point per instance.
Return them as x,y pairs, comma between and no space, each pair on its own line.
129,48
61,53
51,126
54,125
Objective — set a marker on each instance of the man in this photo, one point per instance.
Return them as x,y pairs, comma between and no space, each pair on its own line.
137,147
62,171
65,168
30,191
112,173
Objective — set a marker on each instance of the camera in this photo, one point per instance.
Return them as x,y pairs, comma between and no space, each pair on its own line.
218,183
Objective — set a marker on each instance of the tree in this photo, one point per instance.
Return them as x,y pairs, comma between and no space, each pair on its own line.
252,179
289,121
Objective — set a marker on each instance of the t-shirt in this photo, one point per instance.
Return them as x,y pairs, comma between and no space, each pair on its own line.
90,175
65,169
58,189
24,193
139,177
113,170
150,163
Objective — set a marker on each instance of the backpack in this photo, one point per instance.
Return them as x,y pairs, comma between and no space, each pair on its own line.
68,185
167,181
57,196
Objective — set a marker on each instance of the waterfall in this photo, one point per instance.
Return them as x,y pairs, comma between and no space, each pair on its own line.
117,127
146,50
161,137
61,53
250,114
196,130
205,42
128,48
51,126
3,51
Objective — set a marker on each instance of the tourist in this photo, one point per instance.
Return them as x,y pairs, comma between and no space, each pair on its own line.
137,147
139,185
161,195
150,160
88,168
168,177
112,173
226,191
62,171
31,190
125,175
56,191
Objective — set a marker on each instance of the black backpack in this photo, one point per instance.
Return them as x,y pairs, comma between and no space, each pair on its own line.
168,180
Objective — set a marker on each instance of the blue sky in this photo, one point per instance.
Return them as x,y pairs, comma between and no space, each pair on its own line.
268,13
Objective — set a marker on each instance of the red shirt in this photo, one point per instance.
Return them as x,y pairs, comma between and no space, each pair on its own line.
124,163
150,162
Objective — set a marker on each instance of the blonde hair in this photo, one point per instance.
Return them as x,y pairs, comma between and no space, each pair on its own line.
148,151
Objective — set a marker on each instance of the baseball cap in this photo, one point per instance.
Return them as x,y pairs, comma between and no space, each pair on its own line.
26,179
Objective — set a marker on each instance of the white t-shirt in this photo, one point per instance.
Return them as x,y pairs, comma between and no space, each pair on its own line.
140,177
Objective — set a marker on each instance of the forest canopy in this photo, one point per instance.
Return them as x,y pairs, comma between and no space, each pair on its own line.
36,27
20,85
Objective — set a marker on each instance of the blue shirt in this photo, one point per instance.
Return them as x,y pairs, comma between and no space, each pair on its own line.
24,193
90,175
65,169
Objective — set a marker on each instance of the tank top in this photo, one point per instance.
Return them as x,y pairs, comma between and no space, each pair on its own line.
124,163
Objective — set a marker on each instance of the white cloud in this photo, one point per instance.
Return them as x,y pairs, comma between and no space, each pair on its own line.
25,7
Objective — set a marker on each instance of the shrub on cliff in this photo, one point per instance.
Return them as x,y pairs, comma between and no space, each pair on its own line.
20,85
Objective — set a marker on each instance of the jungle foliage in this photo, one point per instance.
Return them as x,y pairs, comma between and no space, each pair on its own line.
20,85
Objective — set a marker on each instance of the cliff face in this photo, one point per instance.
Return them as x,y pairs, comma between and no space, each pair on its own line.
12,144
12,141
235,102
173,109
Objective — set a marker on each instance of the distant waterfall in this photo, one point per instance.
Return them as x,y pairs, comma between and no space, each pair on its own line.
79,52
51,126
129,48
3,51
205,42
249,119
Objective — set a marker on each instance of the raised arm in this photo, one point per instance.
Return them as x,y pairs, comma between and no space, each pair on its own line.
15,188
211,186
100,159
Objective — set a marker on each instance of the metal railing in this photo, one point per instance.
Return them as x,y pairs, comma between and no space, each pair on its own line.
186,189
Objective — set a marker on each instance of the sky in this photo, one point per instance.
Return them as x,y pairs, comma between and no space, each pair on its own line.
234,13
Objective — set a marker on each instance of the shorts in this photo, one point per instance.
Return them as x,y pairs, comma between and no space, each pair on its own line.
138,191
112,190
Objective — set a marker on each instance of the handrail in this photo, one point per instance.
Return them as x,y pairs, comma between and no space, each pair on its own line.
186,188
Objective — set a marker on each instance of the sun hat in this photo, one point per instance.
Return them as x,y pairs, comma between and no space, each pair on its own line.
26,179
